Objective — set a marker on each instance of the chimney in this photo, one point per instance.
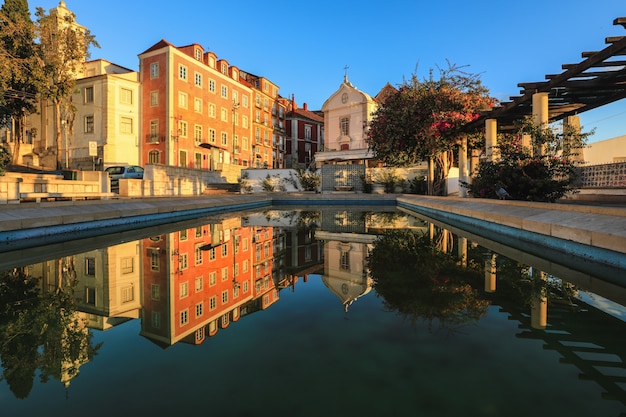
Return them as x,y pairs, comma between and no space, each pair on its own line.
306,106
294,106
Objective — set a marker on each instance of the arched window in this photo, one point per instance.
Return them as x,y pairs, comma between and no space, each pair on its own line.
154,157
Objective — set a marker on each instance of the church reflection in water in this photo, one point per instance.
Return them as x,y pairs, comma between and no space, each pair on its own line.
191,282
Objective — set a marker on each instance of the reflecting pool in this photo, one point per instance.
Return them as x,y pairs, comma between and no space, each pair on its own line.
330,312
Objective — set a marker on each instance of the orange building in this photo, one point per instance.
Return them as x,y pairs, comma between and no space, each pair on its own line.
200,112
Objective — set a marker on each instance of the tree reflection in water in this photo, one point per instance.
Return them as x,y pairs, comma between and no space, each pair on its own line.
421,282
40,330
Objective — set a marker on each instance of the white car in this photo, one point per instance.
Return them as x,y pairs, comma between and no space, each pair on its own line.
123,171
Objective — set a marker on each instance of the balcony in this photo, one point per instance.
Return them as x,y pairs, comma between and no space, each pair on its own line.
154,139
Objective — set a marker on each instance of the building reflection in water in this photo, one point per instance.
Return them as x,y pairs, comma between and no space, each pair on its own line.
187,285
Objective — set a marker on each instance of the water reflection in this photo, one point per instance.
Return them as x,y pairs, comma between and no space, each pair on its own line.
189,282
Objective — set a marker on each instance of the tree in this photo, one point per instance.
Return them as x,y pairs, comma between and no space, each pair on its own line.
20,69
426,120
545,171
64,47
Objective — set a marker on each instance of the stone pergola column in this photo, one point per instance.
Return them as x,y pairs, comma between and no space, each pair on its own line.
463,174
573,122
490,272
540,115
491,138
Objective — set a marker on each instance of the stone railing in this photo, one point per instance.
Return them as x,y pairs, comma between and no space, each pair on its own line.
21,187
604,176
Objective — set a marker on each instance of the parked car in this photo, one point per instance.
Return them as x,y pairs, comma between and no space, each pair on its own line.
123,171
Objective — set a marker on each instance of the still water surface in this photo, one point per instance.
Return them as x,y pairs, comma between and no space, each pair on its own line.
278,314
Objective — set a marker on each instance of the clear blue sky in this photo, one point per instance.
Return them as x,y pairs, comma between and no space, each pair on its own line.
304,46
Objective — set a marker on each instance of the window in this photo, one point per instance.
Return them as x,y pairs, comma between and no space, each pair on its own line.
155,292
236,98
128,294
212,254
182,158
198,79
212,110
126,125
236,292
156,319
212,86
127,265
182,235
198,255
224,297
245,286
225,274
245,265
224,114
224,91
182,100
244,121
199,284
154,98
197,134
199,309
154,131
182,261
197,105
126,96
344,126
212,135
212,278
225,320
199,231
224,251
182,72
89,124
198,54
184,317
307,132
198,160
90,296
154,157
344,261
88,94
184,290
245,244
224,138
155,262
154,70
212,303
244,101
90,267
224,68
182,128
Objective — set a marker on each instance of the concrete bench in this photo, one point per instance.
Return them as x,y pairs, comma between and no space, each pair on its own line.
38,197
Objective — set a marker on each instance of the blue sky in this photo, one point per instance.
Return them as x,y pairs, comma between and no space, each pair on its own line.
304,46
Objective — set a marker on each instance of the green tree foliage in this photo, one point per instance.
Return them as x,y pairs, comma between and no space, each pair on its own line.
421,282
20,68
427,119
545,171
64,47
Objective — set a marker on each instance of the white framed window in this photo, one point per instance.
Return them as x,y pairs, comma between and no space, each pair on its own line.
224,114
224,251
198,255
212,110
212,278
344,126
212,303
128,294
212,135
182,72
184,290
184,317
212,86
198,79
224,138
154,98
199,309
183,261
154,157
154,70
182,128
198,54
199,284
224,91
126,96
197,105
224,297
155,260
244,101
197,134
182,99
225,274
127,265
126,125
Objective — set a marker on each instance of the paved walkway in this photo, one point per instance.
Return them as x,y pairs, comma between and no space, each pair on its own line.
599,226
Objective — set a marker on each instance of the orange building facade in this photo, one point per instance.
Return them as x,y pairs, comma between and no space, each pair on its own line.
200,112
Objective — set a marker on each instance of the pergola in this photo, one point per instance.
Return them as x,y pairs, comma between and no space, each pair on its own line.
599,79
